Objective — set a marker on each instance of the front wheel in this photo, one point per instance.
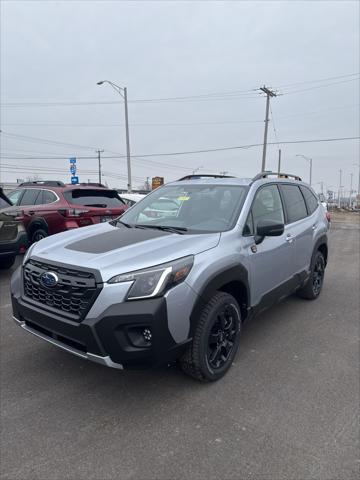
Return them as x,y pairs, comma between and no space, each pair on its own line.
216,339
38,234
313,286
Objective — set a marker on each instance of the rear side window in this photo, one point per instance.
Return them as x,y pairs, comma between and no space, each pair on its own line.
94,198
310,199
30,196
46,196
294,203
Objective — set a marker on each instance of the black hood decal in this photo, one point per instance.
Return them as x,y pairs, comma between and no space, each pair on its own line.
119,237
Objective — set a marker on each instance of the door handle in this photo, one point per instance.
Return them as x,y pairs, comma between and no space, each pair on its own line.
289,238
314,226
31,212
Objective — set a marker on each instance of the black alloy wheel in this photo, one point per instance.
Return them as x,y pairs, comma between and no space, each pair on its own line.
222,336
215,340
318,274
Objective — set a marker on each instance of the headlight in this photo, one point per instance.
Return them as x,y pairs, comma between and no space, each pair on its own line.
153,282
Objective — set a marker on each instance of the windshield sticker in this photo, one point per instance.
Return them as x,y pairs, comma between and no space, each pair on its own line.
183,199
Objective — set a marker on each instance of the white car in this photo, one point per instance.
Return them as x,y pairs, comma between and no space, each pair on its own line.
131,198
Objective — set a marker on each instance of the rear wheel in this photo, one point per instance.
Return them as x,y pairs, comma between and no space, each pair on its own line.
7,262
38,234
216,339
313,286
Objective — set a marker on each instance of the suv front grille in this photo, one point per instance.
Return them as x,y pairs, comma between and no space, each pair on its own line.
73,295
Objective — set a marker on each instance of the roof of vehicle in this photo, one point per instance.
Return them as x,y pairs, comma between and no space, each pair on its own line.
263,177
63,186
214,181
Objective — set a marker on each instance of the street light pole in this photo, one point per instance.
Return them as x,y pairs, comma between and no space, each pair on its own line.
309,160
279,162
123,92
127,141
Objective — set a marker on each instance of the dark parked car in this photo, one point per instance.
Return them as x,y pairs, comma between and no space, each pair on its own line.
13,237
52,207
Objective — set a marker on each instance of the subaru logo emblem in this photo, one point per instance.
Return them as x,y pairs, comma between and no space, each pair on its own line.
49,279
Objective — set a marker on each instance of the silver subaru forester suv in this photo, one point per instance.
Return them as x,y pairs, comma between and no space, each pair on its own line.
177,274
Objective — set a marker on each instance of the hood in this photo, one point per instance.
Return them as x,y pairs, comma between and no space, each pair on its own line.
114,250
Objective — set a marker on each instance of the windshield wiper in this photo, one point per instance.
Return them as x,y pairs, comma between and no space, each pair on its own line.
125,224
166,228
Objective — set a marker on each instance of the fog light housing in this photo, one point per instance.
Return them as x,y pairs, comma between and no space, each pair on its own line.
147,334
140,336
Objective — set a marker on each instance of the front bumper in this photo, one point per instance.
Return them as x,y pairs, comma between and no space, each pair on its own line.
51,339
112,337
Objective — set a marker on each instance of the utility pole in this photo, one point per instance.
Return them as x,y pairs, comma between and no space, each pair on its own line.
351,188
127,141
269,93
358,190
339,199
99,163
279,162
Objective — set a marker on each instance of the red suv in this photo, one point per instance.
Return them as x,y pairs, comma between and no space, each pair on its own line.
50,207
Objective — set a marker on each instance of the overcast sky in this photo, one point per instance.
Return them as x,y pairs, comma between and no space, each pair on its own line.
57,51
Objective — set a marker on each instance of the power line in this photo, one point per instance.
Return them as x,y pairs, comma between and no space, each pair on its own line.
144,101
51,170
230,95
319,80
207,150
44,140
175,124
190,124
320,86
221,149
273,124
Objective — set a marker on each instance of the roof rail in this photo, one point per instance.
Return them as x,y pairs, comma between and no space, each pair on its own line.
43,183
277,174
203,175
86,184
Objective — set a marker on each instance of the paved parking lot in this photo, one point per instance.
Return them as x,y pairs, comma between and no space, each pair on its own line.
288,409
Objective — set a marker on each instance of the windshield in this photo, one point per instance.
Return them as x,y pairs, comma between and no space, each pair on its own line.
192,208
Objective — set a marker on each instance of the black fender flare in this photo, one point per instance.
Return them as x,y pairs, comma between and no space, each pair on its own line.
37,222
322,240
214,283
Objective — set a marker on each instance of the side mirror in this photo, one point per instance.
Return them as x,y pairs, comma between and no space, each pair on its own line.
268,228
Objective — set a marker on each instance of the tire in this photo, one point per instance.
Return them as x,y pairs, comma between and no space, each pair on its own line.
7,262
215,341
38,234
312,288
